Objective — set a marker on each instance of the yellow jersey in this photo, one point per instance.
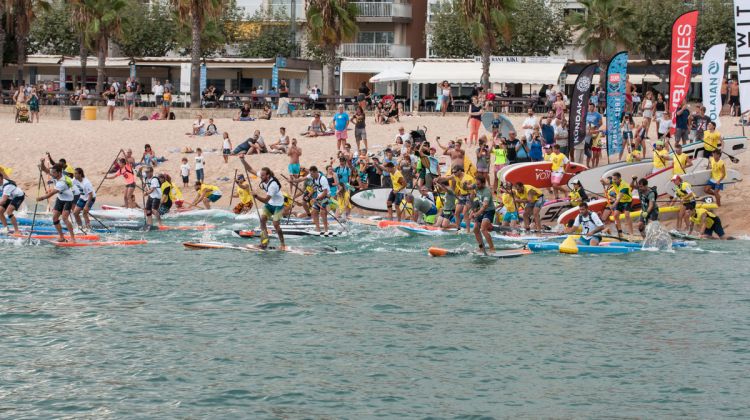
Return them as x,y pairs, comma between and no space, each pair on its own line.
679,164
696,218
717,169
575,198
623,188
684,192
711,140
208,189
524,195
508,202
244,195
660,159
469,167
634,156
459,184
558,161
398,181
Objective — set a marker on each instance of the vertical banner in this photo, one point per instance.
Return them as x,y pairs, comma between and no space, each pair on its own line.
185,72
132,71
742,37
681,64
203,77
62,79
616,77
711,75
579,107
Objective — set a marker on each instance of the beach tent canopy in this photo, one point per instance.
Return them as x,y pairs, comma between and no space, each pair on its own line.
376,65
534,73
389,75
454,71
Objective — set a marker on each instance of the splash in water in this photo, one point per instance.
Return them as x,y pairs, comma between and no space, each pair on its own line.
657,237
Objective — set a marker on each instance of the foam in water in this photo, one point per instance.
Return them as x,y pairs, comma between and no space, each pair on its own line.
657,237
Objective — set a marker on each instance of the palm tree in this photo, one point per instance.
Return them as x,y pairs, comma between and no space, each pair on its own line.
23,13
3,10
195,14
101,20
605,27
80,20
329,23
488,21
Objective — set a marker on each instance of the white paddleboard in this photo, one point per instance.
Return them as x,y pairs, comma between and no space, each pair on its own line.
374,199
698,180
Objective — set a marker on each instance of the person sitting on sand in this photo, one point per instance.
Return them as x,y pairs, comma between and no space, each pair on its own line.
253,145
266,113
316,127
211,129
283,143
244,114
198,126
207,194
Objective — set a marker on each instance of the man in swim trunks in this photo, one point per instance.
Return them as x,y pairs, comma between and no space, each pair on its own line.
340,124
244,195
734,98
649,207
683,192
532,199
294,154
152,194
424,205
397,192
207,194
273,200
622,202
11,198
64,203
708,223
483,215
718,174
449,204
591,226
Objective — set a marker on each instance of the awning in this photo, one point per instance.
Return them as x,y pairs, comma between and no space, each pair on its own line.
454,71
571,79
374,66
527,73
389,76
636,79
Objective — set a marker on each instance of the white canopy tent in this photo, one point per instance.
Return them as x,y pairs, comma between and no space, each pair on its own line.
389,75
532,73
454,71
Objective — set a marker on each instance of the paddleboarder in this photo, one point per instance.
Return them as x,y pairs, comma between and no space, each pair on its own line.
591,226
649,206
11,199
85,200
63,188
718,174
483,216
532,199
683,192
153,195
707,222
622,202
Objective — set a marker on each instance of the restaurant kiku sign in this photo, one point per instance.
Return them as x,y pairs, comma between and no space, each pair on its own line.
521,59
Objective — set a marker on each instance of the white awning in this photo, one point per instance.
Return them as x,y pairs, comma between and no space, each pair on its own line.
374,66
571,79
527,73
636,79
454,71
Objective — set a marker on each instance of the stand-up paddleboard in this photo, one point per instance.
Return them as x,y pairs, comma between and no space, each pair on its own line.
197,227
384,224
539,174
291,232
115,212
504,124
643,170
374,199
107,243
590,178
597,206
698,180
363,221
418,230
507,253
551,210
582,249
255,248
89,237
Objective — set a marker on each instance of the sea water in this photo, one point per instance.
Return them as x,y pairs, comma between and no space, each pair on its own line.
377,330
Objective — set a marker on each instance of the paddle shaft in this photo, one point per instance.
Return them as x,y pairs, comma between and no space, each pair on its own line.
110,168
231,195
36,204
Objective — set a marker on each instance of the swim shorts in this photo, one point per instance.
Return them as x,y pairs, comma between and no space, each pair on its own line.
293,168
214,197
273,212
510,216
717,186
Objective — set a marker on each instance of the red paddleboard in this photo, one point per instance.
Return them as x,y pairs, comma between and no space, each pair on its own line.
383,224
201,227
91,237
539,174
109,243
597,206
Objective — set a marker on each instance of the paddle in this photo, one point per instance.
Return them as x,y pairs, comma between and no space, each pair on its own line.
100,222
731,158
36,204
676,159
263,232
293,187
110,168
231,195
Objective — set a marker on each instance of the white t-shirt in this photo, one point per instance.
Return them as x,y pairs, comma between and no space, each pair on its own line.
198,124
273,189
185,169
284,140
532,122
156,186
10,190
64,191
77,187
87,190
664,125
225,144
159,90
320,185
588,224
199,160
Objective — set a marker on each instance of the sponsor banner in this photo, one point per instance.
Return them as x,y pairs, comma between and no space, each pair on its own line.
742,37
712,74
681,64
616,78
579,102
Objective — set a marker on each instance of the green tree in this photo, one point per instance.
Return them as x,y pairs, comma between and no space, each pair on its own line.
273,36
449,38
101,20
652,24
196,14
715,26
539,29
53,32
147,30
23,13
329,23
488,21
605,27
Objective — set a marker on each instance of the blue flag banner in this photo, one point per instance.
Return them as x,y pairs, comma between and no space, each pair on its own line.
616,80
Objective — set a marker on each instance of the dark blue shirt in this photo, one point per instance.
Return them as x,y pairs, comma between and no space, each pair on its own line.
548,132
682,119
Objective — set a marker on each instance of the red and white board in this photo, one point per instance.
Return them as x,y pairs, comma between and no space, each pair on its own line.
539,174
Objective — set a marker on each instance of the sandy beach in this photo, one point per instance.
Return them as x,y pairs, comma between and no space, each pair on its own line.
93,144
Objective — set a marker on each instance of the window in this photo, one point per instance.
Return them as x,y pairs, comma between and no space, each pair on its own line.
375,37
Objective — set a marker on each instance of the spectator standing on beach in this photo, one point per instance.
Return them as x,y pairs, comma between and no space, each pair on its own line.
340,124
158,92
129,101
110,96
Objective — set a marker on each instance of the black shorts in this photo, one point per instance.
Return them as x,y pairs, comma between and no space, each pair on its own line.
734,100
447,214
707,154
690,205
623,207
165,207
15,202
152,204
186,179
715,228
395,197
61,206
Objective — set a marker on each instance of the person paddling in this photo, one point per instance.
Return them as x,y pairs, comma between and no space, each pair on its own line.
11,198
273,201
591,226
64,203
484,215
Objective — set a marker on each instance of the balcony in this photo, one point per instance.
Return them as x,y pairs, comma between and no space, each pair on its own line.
370,11
375,51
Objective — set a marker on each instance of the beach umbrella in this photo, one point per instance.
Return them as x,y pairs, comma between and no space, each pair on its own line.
389,76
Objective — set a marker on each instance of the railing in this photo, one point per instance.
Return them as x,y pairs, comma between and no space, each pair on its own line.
375,51
383,9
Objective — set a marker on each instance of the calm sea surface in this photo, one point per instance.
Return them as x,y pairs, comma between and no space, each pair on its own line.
379,330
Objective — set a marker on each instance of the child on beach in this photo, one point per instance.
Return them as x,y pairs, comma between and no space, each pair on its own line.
226,147
199,162
211,130
185,172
